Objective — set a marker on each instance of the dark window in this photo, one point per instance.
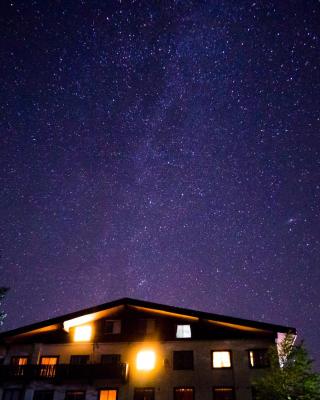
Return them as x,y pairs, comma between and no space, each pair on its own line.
43,395
110,359
12,394
111,327
183,393
108,327
79,360
143,394
258,358
183,359
108,394
75,395
223,393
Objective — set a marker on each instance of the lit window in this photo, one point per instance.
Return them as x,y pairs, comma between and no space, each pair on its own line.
221,359
16,360
82,333
146,360
48,366
183,331
49,360
108,394
18,364
258,358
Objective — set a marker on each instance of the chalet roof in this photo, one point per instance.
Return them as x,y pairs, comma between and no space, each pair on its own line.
157,309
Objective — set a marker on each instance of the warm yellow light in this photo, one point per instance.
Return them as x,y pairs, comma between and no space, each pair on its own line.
82,333
22,361
49,360
251,359
110,394
84,319
146,360
221,359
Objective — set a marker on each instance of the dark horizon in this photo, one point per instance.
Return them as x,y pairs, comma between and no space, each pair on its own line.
168,152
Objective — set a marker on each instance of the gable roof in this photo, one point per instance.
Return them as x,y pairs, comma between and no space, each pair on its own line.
156,308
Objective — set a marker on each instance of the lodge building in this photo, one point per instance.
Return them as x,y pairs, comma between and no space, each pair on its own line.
136,350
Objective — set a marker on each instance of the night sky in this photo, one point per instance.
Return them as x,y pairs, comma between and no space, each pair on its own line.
161,150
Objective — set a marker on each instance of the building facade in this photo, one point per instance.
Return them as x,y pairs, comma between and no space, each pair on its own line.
135,350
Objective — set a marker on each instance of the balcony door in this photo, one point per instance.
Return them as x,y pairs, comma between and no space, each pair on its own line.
18,364
48,366
108,394
12,394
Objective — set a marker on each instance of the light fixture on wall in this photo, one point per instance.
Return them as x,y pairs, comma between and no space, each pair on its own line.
82,333
146,360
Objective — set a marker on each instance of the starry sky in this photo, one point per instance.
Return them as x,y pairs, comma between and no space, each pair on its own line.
167,151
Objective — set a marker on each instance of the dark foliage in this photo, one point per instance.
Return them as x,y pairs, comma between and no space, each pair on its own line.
290,376
3,291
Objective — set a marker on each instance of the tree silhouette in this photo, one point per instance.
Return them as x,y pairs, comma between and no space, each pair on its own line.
3,291
290,376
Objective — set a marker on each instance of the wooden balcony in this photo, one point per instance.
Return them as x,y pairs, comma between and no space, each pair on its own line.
63,372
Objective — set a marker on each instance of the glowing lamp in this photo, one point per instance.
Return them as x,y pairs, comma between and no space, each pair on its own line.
146,360
82,333
71,323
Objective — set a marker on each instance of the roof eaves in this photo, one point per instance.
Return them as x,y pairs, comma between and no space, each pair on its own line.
146,304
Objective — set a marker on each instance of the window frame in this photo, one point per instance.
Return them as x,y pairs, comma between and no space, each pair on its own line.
13,357
75,390
20,390
265,350
113,321
184,387
222,351
84,356
100,389
144,388
104,356
43,390
146,326
53,375
224,387
182,351
49,356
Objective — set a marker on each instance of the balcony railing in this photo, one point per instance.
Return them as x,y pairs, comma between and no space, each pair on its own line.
62,372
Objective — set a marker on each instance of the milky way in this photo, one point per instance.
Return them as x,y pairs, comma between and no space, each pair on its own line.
166,151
